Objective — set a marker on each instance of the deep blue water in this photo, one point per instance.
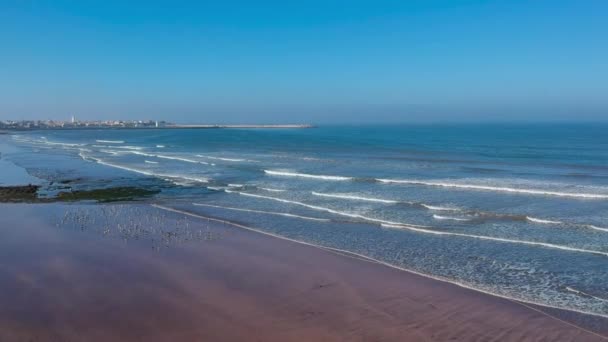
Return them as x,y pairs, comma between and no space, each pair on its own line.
516,210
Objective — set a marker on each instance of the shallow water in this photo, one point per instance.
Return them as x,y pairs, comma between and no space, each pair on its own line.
516,210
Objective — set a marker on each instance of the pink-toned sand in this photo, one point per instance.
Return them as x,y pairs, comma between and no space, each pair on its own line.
243,286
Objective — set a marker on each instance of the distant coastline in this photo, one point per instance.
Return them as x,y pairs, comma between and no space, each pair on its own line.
242,126
7,126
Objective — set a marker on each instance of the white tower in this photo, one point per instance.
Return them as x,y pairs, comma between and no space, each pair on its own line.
73,119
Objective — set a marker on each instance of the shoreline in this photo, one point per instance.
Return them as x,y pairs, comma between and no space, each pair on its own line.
570,316
378,262
244,284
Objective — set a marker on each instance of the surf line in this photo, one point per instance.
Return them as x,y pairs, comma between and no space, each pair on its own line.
364,218
110,141
306,175
421,229
443,184
162,156
343,252
440,208
491,238
495,188
169,177
263,212
382,200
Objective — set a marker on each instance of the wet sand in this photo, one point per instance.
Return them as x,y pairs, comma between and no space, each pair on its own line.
144,274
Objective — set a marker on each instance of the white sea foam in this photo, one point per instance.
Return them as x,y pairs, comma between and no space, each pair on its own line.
439,217
570,289
316,207
264,212
226,159
579,292
537,220
438,208
136,148
491,238
421,229
381,200
355,197
272,190
188,178
590,226
160,146
171,177
110,141
129,148
150,162
495,188
162,156
306,175
122,167
46,142
140,153
235,185
114,153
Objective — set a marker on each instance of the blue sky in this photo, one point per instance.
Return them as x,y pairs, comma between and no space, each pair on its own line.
306,61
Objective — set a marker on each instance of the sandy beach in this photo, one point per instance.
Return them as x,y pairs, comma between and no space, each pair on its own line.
131,272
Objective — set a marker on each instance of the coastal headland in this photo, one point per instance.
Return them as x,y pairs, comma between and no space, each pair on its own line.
24,125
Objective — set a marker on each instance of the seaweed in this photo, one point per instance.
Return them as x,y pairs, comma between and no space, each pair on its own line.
29,194
23,193
115,194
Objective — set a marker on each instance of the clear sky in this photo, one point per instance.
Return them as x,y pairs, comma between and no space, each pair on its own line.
304,61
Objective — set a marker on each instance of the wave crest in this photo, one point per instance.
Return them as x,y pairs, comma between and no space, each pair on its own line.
306,175
495,188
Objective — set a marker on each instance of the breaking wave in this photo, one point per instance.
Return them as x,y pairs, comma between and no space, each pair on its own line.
306,175
264,212
421,229
491,238
164,156
537,220
496,188
355,197
110,141
316,207
225,159
382,200
176,179
272,190
439,217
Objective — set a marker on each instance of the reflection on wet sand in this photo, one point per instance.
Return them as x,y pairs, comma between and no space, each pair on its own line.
136,223
82,282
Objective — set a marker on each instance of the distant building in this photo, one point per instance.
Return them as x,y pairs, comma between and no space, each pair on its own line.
73,119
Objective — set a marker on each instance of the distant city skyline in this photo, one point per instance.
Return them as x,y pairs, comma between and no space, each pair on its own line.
308,62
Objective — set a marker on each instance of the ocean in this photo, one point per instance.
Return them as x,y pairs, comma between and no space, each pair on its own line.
515,210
